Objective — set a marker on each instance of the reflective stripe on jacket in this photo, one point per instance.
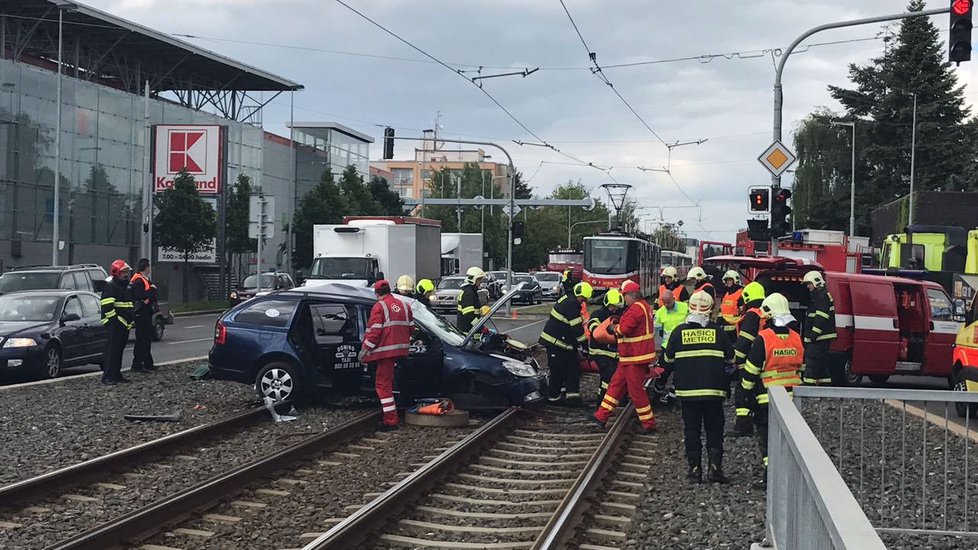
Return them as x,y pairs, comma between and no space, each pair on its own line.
468,308
116,305
747,328
596,348
565,326
389,329
820,325
699,356
636,336
730,310
775,360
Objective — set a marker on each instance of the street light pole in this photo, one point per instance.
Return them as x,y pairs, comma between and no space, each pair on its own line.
852,186
913,158
56,226
575,224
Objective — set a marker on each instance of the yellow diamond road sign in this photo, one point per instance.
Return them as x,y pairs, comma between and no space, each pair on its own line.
777,158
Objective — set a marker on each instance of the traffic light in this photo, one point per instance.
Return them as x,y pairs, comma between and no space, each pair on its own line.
388,143
518,230
757,230
780,212
959,40
760,200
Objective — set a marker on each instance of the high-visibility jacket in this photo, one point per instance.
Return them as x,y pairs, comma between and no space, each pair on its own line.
667,320
636,335
142,289
389,329
708,288
730,309
565,326
747,329
116,305
775,360
698,356
821,317
468,307
679,292
596,348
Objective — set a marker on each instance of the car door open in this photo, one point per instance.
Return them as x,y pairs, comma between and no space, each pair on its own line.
337,342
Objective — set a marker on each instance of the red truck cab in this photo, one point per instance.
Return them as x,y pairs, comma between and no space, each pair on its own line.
885,325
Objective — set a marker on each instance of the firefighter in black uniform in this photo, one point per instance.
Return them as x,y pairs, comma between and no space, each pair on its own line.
469,307
819,331
700,354
145,305
562,335
605,355
747,329
117,317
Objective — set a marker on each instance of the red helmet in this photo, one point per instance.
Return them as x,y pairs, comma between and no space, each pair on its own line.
382,286
630,286
118,267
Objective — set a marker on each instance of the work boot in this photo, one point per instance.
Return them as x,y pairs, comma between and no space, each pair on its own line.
599,425
715,474
647,428
695,471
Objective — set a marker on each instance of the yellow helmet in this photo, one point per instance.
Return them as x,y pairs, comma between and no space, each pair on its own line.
473,274
583,290
814,277
700,302
670,271
405,284
732,274
696,274
425,286
774,305
613,298
753,291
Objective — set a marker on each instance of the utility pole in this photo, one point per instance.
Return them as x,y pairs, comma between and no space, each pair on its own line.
913,157
852,185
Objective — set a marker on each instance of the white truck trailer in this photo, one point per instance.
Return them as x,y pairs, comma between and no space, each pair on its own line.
460,251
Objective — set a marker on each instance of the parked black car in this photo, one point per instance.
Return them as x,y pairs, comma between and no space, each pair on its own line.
290,343
526,289
44,331
270,282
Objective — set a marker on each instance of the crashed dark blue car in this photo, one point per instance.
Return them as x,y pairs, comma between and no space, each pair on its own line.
300,342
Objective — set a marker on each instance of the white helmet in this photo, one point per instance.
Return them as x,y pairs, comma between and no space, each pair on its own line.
774,305
405,284
815,278
700,302
732,274
670,271
697,274
473,274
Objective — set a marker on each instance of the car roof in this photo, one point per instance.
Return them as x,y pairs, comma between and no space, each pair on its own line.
54,268
333,291
56,292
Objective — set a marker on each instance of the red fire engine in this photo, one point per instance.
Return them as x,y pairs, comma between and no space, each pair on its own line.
831,249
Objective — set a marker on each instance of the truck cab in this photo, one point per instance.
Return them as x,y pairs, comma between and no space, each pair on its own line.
344,269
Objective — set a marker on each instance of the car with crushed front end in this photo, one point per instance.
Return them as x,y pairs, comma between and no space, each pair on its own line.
44,331
299,343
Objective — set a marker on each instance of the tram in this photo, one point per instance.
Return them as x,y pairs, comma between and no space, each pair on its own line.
612,258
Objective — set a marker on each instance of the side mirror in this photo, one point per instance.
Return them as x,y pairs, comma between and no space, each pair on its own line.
70,317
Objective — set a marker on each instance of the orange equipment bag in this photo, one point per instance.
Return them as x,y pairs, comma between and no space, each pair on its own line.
434,407
603,334
588,365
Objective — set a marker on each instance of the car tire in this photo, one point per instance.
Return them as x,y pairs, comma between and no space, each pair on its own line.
53,361
960,384
852,379
159,327
879,378
278,380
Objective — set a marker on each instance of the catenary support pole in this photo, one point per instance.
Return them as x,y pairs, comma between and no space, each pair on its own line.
913,158
56,222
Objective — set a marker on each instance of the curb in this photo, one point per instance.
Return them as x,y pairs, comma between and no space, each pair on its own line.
202,312
61,379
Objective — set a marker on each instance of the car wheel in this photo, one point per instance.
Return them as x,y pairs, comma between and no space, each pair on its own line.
960,384
279,381
52,362
852,379
879,378
158,329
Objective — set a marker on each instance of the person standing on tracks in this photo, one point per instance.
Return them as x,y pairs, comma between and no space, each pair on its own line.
388,338
145,306
669,316
672,285
775,359
730,305
117,310
600,349
636,353
424,291
698,352
750,324
819,331
562,335
470,309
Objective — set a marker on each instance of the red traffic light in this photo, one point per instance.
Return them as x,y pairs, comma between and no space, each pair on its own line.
961,7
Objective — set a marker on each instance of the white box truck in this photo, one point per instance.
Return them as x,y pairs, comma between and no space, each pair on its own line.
460,251
364,249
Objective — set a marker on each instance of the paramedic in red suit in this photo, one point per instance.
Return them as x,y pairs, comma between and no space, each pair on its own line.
387,339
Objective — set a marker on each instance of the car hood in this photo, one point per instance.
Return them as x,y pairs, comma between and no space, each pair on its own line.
349,282
447,293
548,285
17,328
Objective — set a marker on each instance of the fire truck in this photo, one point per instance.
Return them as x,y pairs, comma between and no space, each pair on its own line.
833,250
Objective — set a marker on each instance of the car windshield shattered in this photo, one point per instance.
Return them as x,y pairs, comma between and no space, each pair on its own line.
437,325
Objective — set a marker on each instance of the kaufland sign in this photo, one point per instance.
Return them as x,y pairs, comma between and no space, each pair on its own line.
196,147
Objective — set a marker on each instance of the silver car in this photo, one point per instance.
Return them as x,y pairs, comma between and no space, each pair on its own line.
445,299
550,283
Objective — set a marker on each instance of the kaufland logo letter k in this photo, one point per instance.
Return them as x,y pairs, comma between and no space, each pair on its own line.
188,149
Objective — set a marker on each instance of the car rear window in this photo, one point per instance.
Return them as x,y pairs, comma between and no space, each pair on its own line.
27,280
267,313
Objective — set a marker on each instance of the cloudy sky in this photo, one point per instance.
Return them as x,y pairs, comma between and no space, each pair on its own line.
356,74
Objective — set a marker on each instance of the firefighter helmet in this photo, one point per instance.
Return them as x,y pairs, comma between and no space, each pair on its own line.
425,286
753,291
473,274
732,274
700,302
775,305
697,274
613,298
815,278
670,271
405,284
630,287
583,290
118,267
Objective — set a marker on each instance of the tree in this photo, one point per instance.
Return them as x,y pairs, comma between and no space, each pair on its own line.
359,201
668,238
236,219
324,203
185,223
390,202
